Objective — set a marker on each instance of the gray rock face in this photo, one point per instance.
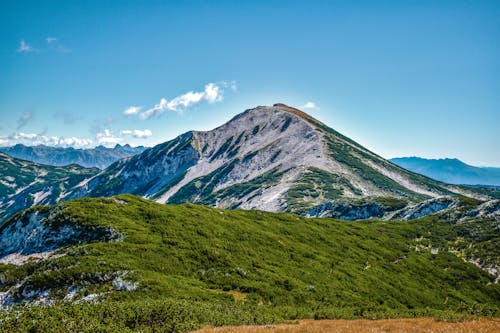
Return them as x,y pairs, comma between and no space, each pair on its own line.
425,208
40,232
348,211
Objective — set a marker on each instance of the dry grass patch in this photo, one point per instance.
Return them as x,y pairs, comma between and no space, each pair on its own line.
237,295
417,325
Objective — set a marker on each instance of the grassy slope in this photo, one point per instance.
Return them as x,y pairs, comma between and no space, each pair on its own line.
197,265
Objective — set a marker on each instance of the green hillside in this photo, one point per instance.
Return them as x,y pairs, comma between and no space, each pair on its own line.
188,266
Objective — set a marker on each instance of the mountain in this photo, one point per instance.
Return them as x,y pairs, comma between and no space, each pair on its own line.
99,157
450,170
125,264
24,184
274,158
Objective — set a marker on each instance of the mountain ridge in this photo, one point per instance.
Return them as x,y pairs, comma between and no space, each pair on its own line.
99,156
450,170
25,184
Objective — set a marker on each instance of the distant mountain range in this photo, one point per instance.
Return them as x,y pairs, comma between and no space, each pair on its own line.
450,170
99,157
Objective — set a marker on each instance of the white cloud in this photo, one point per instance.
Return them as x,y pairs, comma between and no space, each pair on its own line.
310,106
28,136
50,40
107,138
140,134
211,94
75,142
24,47
40,139
132,110
157,109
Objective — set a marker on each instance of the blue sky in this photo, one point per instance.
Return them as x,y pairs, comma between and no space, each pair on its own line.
400,77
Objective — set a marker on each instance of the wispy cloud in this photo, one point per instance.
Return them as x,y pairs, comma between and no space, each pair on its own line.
24,119
62,49
66,117
232,85
140,134
131,110
24,47
52,45
310,106
211,94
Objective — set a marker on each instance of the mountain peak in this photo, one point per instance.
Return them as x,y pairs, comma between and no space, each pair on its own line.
275,158
295,111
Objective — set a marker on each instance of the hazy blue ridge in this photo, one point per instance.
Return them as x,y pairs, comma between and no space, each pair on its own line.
100,157
450,170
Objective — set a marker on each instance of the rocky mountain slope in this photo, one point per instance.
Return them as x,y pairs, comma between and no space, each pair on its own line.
98,157
274,158
450,170
153,267
24,184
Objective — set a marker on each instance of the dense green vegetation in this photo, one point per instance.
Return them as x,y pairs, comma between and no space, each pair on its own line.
196,265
